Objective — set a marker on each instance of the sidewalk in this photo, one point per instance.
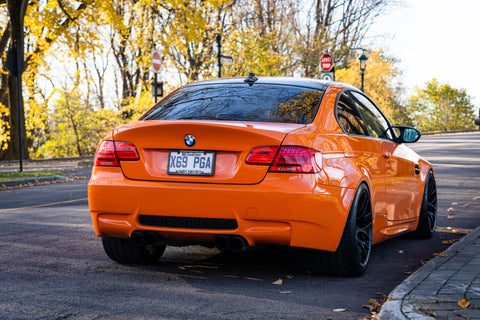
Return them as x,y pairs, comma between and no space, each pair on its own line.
435,290
74,168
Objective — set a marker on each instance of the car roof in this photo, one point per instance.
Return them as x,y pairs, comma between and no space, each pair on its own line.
289,81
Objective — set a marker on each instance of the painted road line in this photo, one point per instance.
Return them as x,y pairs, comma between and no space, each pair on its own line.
43,205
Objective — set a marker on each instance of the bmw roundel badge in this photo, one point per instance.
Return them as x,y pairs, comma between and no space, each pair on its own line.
189,140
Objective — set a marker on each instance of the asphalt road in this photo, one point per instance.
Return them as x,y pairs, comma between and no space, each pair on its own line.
52,266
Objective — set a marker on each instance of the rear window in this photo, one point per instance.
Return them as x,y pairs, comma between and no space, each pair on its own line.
237,102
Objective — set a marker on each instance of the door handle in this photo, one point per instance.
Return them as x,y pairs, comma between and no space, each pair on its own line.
386,155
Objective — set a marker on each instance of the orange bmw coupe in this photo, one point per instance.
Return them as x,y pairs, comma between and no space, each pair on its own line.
233,163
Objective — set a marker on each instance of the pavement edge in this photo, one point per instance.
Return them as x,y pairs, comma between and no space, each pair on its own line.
392,309
26,181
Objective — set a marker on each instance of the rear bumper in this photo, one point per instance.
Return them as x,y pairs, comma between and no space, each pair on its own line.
284,209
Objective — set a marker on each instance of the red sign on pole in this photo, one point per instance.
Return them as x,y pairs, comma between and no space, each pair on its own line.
326,62
156,61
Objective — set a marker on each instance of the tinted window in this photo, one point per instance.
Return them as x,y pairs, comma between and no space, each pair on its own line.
376,123
238,102
348,116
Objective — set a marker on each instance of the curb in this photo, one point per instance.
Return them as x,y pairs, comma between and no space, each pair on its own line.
26,181
392,309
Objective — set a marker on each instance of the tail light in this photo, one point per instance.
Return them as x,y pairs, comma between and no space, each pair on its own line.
110,153
297,159
262,155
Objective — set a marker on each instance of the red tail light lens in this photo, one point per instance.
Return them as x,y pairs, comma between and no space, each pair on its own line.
296,159
110,153
126,151
262,155
105,155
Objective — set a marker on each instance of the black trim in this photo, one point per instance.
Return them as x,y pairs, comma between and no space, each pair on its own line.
188,223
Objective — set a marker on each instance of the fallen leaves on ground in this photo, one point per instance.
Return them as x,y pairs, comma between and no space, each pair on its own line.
451,217
40,183
339,310
449,242
463,303
285,292
253,279
450,209
375,305
279,282
430,313
466,205
440,254
455,204
476,198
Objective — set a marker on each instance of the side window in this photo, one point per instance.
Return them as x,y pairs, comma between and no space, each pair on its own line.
348,116
376,123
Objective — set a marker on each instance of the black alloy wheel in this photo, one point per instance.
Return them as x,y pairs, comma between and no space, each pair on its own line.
427,220
364,228
353,253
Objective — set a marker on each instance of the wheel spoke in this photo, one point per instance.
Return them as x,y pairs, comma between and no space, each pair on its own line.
364,242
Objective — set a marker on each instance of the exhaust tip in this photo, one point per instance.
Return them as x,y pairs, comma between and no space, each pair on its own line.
146,238
223,243
138,238
239,244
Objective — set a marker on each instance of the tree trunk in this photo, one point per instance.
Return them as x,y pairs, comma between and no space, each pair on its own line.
16,10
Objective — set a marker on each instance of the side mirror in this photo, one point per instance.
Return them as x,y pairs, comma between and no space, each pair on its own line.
407,134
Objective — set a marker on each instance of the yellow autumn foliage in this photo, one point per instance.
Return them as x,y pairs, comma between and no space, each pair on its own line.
379,80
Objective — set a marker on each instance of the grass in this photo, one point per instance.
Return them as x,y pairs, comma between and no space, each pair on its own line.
13,175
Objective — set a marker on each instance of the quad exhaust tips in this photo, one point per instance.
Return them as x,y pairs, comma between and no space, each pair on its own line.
231,243
146,238
141,238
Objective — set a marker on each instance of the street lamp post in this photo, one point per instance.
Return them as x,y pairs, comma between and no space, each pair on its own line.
363,65
219,54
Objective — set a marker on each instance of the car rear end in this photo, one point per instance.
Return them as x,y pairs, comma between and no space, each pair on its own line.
240,175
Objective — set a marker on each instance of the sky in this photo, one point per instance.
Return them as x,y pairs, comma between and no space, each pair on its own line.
434,39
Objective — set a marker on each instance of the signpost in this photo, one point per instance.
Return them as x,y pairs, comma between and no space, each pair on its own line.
156,67
326,62
329,76
328,70
156,61
221,58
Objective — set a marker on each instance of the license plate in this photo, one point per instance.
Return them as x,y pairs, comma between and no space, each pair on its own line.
191,163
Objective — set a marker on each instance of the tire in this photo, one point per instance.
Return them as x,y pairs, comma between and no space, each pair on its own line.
352,255
427,220
123,250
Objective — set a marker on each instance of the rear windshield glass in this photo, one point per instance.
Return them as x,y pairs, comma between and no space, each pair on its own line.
237,102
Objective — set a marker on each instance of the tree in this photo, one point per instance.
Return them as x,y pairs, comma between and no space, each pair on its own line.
102,49
379,84
261,38
15,36
335,26
42,29
440,107
189,34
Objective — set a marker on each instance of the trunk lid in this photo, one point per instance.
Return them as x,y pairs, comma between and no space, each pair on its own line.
231,142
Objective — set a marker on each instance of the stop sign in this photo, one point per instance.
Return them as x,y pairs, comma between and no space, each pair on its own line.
156,61
326,62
